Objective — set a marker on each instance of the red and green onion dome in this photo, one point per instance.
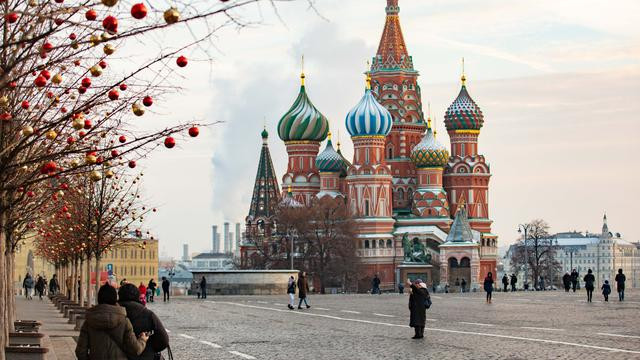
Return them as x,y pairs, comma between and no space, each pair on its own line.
329,160
463,113
303,122
429,152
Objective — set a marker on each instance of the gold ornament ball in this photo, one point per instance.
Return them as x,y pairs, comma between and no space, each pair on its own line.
94,40
90,159
75,45
51,135
57,79
109,49
75,163
172,16
95,175
27,131
78,124
95,71
4,101
109,2
108,174
137,109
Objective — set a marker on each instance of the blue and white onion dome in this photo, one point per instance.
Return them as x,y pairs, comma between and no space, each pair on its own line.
429,152
368,117
329,160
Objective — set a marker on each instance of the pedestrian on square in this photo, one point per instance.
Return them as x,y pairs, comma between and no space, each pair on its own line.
291,291
54,287
505,283
375,283
40,286
203,287
589,280
463,285
28,284
151,286
303,289
488,286
143,293
165,288
417,307
574,279
514,281
107,334
606,290
68,282
620,279
143,320
541,283
400,288
566,281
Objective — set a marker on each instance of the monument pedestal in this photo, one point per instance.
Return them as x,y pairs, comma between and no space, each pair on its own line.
412,271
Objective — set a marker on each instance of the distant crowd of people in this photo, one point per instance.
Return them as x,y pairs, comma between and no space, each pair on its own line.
41,286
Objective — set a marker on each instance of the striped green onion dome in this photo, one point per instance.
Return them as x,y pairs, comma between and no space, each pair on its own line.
303,121
463,113
429,152
329,160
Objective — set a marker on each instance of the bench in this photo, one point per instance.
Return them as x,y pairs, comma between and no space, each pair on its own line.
26,325
25,338
25,352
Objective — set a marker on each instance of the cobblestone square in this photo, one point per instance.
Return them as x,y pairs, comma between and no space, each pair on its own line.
534,325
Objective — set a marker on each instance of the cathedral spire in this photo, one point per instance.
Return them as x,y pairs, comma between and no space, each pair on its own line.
265,191
392,52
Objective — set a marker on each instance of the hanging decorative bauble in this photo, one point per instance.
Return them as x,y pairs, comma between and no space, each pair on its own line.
91,15
95,175
12,17
147,101
87,124
46,74
90,159
86,82
113,94
27,130
4,101
82,90
169,142
30,194
194,131
172,16
40,81
5,116
109,2
75,45
77,123
94,40
110,23
24,104
48,167
132,164
102,64
57,79
122,139
51,135
109,49
137,109
47,47
108,174
114,153
74,163
123,87
95,71
70,140
182,61
138,11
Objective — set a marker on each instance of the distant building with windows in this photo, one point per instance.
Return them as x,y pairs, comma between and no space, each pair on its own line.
210,261
134,259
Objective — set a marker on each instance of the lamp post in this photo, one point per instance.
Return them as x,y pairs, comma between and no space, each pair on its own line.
525,228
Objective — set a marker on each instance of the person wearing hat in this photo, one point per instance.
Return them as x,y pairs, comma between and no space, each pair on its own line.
143,321
417,307
107,334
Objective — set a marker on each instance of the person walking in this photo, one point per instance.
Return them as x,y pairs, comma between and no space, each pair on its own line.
620,279
375,283
107,334
589,281
400,288
606,290
40,287
203,287
303,289
505,283
291,291
28,284
143,293
418,307
566,281
143,320
54,287
463,285
514,281
165,288
541,283
152,286
488,286
574,279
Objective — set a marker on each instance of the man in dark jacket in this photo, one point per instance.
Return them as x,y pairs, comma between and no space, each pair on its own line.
143,321
574,279
589,284
107,334
303,289
566,281
152,286
53,285
505,283
375,283
417,308
620,279
514,281
165,288
203,287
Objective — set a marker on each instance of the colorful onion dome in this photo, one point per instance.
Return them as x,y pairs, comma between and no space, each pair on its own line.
368,117
463,113
329,160
429,152
303,122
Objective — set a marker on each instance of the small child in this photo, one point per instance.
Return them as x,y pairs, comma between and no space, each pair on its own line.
606,290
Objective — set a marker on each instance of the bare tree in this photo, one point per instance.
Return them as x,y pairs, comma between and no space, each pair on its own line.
541,252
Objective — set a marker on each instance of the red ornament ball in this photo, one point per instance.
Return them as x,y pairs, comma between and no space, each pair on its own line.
11,17
91,15
46,74
123,87
70,140
139,11
194,131
82,89
47,46
86,82
110,23
25,104
103,64
114,153
40,81
87,124
132,164
182,61
122,139
73,36
169,142
147,101
114,94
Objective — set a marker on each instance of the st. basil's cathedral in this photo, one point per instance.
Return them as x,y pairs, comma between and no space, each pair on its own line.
421,211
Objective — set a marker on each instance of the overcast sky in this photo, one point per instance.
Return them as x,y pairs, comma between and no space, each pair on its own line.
557,82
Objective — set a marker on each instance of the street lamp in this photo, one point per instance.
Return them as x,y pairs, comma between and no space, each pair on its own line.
525,228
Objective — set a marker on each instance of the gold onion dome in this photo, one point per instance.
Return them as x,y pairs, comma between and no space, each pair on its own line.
429,152
303,122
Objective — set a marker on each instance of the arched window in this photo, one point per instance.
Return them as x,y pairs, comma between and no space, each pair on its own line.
465,262
390,153
400,194
380,243
366,244
389,243
373,244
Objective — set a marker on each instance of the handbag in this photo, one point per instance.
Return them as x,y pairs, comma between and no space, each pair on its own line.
427,302
158,356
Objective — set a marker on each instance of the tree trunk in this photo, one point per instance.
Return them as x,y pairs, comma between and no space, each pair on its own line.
80,282
97,274
74,280
88,282
4,334
11,298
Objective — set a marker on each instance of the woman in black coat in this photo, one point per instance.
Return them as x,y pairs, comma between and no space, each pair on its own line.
589,281
488,286
417,308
